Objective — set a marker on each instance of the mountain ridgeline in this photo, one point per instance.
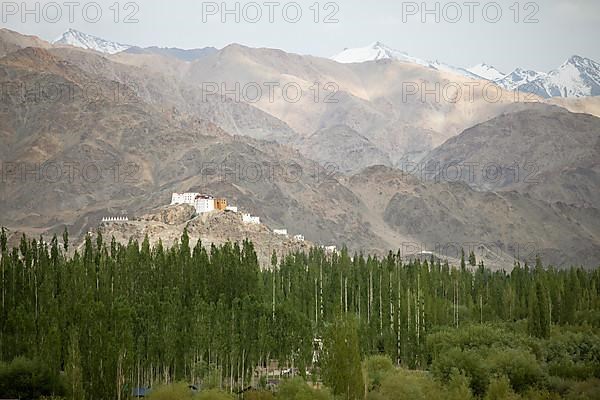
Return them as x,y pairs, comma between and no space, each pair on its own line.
349,158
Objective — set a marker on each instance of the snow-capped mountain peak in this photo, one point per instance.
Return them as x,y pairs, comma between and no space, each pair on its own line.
576,77
486,71
374,52
82,40
518,78
379,51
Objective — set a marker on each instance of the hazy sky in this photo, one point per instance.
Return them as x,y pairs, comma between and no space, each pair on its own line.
541,35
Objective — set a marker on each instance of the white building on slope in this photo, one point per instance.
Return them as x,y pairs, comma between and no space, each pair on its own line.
249,219
183,198
202,203
282,232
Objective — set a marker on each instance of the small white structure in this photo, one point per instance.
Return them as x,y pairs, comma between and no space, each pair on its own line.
233,209
184,198
202,203
282,232
249,219
330,249
299,238
115,219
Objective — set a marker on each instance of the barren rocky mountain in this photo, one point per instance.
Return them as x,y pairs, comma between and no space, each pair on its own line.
96,158
154,79
342,149
581,105
443,216
185,55
131,129
385,101
544,151
11,41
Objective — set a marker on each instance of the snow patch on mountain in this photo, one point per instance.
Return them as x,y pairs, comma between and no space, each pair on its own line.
82,40
440,66
486,72
379,51
576,77
519,77
374,52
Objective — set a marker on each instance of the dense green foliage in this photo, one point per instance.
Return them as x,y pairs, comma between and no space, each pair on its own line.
26,379
340,360
112,317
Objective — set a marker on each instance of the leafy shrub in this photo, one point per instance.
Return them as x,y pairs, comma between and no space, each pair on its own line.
468,363
586,390
175,391
409,385
458,387
297,389
474,337
27,379
500,389
538,394
376,368
520,367
568,369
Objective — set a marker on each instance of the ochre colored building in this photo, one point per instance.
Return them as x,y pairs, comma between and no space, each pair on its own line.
220,204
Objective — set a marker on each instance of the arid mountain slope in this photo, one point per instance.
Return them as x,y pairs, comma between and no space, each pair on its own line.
342,149
385,101
12,41
545,151
130,156
124,136
443,217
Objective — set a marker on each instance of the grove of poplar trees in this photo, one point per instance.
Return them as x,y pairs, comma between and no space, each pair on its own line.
114,317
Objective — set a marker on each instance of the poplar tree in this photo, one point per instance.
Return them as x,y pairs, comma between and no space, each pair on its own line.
341,363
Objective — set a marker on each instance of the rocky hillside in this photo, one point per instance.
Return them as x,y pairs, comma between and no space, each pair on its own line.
168,223
128,130
544,151
443,217
97,157
343,149
12,41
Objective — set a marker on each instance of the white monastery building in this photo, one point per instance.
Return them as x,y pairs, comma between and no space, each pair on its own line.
249,219
282,232
202,203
